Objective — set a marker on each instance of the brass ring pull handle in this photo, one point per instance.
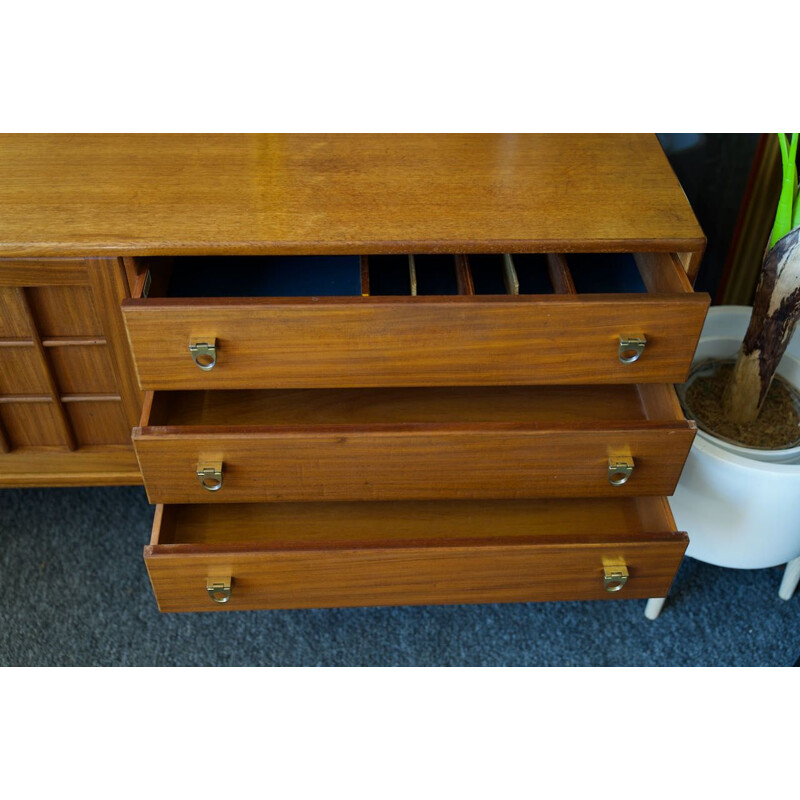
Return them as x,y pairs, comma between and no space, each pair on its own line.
204,353
615,577
631,348
219,589
620,470
210,476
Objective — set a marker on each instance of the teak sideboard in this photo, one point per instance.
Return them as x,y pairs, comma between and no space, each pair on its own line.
357,369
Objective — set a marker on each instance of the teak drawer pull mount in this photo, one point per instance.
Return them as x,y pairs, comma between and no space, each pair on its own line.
619,470
204,353
210,476
219,589
614,577
631,348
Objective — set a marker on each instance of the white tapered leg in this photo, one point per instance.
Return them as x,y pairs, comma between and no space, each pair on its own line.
654,606
791,577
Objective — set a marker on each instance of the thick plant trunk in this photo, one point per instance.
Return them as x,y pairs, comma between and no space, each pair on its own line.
776,308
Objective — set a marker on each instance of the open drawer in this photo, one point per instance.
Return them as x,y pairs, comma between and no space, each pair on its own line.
418,320
318,555
411,443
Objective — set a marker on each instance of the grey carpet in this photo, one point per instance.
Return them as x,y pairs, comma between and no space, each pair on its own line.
75,592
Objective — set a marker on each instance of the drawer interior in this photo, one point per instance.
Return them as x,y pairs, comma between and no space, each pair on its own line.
519,405
268,276
605,273
438,523
412,275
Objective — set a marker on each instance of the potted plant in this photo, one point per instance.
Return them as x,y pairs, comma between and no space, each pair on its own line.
739,493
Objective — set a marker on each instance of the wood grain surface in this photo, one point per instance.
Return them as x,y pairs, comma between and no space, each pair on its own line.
357,524
306,408
148,194
376,341
342,554
109,284
88,466
66,375
397,446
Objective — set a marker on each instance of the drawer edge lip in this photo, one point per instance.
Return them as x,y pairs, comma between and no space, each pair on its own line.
58,261
115,248
196,550
94,465
46,480
214,432
671,420
161,304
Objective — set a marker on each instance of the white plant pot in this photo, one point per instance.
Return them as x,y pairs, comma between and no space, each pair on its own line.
740,506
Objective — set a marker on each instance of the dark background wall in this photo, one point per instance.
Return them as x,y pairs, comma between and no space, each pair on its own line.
713,169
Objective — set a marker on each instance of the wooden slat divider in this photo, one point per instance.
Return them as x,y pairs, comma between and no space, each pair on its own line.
662,273
90,398
691,263
559,274
65,427
34,272
153,413
90,465
412,274
16,342
510,274
64,398
5,446
464,275
131,266
365,276
26,398
659,401
140,288
74,341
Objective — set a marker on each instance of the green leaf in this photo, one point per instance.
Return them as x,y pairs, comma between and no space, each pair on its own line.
796,211
783,215
796,189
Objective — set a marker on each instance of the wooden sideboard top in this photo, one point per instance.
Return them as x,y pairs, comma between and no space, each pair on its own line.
171,194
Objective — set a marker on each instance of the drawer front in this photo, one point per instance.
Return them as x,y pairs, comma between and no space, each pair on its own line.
481,569
370,342
423,443
411,576
430,462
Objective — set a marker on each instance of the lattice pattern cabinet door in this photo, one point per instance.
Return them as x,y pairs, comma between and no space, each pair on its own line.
68,393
